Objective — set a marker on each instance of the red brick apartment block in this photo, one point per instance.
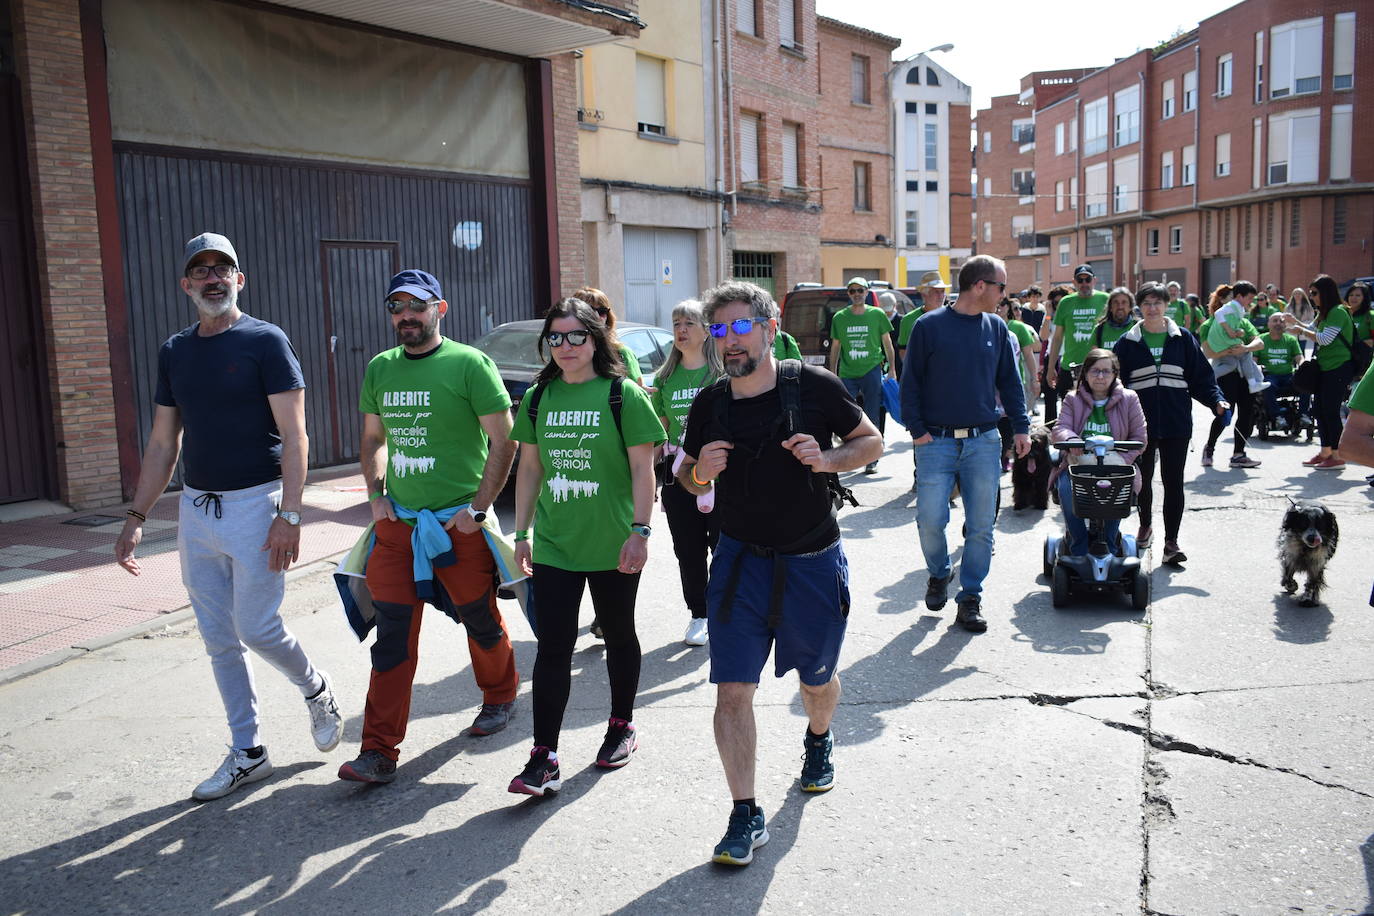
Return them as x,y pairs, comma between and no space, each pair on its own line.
1004,218
855,141
771,77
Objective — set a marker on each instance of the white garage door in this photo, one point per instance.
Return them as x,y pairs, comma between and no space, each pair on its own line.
660,271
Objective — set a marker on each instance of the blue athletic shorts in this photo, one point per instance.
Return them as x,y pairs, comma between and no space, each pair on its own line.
815,608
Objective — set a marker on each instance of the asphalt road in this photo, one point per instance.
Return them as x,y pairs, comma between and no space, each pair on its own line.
1207,756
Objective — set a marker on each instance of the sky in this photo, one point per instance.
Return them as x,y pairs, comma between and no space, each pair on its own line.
996,42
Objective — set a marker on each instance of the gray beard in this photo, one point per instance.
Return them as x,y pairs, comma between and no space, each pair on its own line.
740,370
216,309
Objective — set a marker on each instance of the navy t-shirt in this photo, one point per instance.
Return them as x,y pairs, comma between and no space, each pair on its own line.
220,385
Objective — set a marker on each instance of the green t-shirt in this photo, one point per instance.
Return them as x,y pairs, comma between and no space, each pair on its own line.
1077,315
1025,337
1199,318
906,324
1363,398
1362,325
586,501
860,339
1337,353
784,347
436,448
1179,311
673,398
1278,356
632,371
1096,424
1154,343
1110,334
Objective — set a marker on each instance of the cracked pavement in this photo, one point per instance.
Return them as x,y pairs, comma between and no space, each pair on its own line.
1208,756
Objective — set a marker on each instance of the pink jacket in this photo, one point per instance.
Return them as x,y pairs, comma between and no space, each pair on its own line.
1124,415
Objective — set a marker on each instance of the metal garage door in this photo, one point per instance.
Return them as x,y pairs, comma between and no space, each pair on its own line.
660,271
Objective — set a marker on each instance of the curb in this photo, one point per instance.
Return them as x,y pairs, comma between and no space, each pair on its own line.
174,618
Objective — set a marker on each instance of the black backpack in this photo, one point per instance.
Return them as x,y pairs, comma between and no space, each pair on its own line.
532,404
787,423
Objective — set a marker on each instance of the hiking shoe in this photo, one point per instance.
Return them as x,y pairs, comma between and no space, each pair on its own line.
540,775
371,766
696,632
622,740
1243,460
1172,555
746,832
1207,457
818,773
238,769
1330,464
871,467
969,616
595,629
936,591
492,718
326,725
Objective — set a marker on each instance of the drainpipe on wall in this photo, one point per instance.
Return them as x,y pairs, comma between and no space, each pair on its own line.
1078,173
1137,274
728,114
1197,144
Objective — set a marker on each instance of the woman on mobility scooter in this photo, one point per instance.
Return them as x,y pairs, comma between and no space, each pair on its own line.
1099,405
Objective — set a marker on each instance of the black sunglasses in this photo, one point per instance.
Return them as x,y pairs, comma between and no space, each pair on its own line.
574,338
1001,287
418,306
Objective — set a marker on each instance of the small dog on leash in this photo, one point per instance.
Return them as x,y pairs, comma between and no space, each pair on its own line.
1307,541
1030,473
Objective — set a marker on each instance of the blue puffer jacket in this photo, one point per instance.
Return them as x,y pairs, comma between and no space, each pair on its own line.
1164,390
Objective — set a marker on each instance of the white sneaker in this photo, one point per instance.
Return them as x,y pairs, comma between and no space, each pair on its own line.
1257,387
237,769
696,632
326,725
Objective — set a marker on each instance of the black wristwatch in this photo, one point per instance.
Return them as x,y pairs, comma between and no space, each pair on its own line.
478,515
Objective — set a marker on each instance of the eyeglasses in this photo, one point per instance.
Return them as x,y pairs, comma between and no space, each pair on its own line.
201,271
1001,287
1083,279
857,291
739,326
1102,373
574,338
418,306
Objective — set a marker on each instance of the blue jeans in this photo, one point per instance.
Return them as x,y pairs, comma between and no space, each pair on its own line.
976,462
869,388
1280,385
1076,528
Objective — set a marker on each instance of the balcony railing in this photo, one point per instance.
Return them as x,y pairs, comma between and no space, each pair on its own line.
1023,134
1029,241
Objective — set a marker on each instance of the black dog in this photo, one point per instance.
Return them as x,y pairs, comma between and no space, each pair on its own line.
1307,541
1030,474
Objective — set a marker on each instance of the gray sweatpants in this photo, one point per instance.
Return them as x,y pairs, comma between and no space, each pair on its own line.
237,599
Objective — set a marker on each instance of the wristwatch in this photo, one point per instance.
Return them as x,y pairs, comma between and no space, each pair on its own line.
291,518
478,515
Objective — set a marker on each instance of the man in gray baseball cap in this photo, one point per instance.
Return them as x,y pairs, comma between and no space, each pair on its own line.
239,525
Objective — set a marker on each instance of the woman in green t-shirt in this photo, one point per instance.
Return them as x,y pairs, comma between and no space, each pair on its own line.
587,482
692,364
1333,333
601,304
1357,302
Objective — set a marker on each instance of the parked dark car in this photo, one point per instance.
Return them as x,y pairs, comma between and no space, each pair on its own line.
514,347
809,308
1345,287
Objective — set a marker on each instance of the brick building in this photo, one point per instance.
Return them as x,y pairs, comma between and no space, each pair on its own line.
1228,152
135,124
932,196
770,74
855,144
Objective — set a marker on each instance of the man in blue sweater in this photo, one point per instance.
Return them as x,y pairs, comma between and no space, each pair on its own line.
958,359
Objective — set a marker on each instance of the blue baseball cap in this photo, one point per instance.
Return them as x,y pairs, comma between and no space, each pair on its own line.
419,284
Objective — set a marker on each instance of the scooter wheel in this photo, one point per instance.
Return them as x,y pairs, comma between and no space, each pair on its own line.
1140,591
1059,587
1047,558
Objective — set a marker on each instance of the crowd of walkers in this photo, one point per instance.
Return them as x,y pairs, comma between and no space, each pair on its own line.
741,441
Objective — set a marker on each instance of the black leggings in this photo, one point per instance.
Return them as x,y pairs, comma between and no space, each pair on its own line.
1237,392
558,593
694,533
1172,454
1332,386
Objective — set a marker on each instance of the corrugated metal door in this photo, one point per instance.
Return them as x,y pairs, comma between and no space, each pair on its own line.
356,328
660,271
25,466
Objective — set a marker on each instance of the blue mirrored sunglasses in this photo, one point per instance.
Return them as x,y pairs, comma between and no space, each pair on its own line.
739,326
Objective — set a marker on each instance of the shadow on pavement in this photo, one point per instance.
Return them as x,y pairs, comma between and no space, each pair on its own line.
1071,630
1300,625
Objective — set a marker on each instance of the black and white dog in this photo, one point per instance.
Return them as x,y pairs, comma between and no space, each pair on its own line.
1307,541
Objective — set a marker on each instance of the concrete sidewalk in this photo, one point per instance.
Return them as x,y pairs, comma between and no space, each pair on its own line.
62,594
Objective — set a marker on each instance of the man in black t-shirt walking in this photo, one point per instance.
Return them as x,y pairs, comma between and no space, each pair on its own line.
234,385
779,578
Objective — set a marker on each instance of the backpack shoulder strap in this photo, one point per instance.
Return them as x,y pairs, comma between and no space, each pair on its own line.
532,404
617,399
789,392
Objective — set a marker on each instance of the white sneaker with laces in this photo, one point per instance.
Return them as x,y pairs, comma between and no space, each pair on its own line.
696,632
237,769
326,725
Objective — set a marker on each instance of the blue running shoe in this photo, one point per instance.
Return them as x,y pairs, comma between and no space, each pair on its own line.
818,773
746,833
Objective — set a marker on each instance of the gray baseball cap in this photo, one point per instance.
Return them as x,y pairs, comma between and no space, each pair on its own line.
209,241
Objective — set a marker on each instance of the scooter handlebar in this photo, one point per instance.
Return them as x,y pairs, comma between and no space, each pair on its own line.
1121,445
